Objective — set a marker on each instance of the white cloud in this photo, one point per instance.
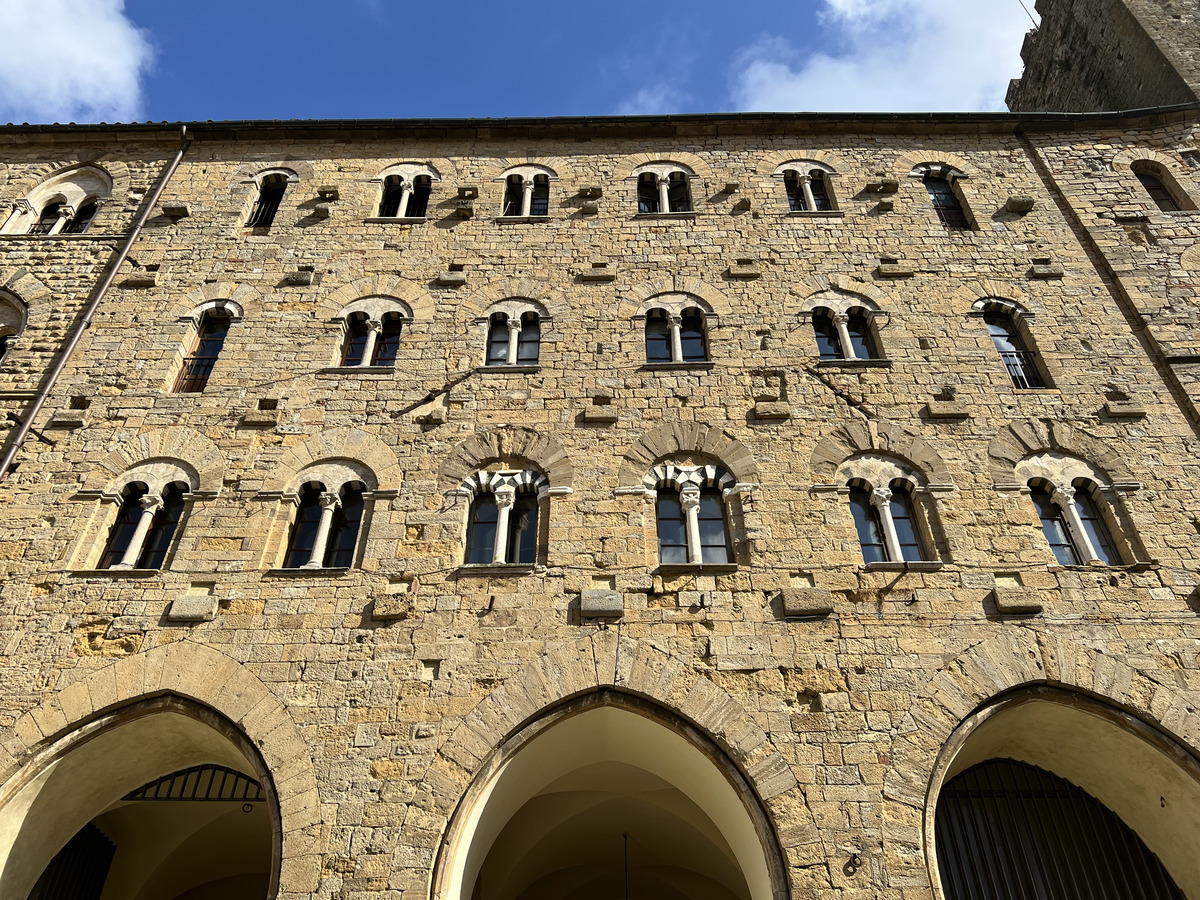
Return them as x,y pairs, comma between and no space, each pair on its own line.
890,55
659,99
70,61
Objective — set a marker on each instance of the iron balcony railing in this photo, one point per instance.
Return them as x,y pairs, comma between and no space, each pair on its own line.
1022,368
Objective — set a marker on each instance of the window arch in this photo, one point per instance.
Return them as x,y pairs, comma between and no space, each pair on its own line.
808,186
372,328
1006,325
1161,185
526,192
65,203
212,328
405,191
503,517
843,326
664,187
891,526
272,185
691,513
325,528
941,184
676,329
1075,506
514,334
150,501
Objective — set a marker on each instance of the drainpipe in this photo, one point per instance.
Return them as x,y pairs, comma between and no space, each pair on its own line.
44,391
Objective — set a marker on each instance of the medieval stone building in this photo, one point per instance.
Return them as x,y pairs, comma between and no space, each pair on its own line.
720,506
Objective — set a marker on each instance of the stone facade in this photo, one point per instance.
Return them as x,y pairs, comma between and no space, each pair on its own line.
376,695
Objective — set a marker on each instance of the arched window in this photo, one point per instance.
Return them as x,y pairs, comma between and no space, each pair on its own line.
807,190
372,328
405,199
324,532
513,340
691,518
885,522
12,322
65,203
82,219
676,334
270,195
679,197
663,188
647,193
527,192
1158,191
48,221
844,335
356,339
388,344
1019,360
144,528
1073,524
198,365
829,340
502,525
514,195
1006,829
947,203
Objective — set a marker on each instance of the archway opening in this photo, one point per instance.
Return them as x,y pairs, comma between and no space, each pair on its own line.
1052,795
160,801
604,801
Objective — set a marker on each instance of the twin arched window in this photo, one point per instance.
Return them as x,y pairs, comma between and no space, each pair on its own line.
807,186
502,524
844,335
691,515
144,527
513,338
1076,522
324,533
405,197
65,203
1162,188
1003,321
371,342
675,337
663,188
885,522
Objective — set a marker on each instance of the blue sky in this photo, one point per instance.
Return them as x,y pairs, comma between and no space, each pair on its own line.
122,60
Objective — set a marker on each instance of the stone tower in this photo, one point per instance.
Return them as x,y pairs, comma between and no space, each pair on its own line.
1094,55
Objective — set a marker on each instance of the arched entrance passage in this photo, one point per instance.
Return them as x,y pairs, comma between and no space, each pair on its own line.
159,800
1149,782
549,813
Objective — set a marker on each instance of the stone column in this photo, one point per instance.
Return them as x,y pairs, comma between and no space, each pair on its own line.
505,498
664,197
19,208
373,330
526,197
840,321
810,202
514,334
1065,500
329,503
881,499
676,338
64,216
689,499
151,504
405,193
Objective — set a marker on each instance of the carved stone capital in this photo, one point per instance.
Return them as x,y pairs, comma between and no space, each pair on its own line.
689,497
881,497
329,500
505,499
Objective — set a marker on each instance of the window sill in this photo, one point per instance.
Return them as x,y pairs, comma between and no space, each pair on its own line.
701,365
357,370
1035,391
690,214
484,570
511,370
854,364
923,565
520,220
700,568
114,573
85,236
396,220
301,572
816,214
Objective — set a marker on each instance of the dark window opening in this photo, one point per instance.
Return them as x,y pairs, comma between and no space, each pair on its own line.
858,324
522,529
903,520
356,340
198,365
47,219
868,526
672,528
658,336
678,195
497,340
829,342
121,533
529,339
949,208
795,193
714,536
691,336
1020,362
481,533
270,195
393,191
1006,830
418,200
5,344
819,186
304,528
83,218
79,870
343,530
647,193
388,343
1054,527
540,202
1095,526
1158,192
162,528
514,192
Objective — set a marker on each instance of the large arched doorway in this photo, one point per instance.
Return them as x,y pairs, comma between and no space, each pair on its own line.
161,800
608,797
1051,795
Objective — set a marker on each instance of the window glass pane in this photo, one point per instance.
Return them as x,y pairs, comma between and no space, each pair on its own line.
388,343
945,201
270,195
418,201
906,531
691,337
866,523
658,337
795,194
714,538
356,340
304,528
162,529
672,532
1054,527
123,528
343,530
1095,526
497,347
522,529
481,536
647,186
677,193
820,190
513,196
540,204
1158,192
829,343
861,339
389,206
198,366
529,340
1019,361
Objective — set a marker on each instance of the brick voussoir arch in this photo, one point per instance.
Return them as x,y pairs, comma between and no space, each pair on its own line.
851,438
334,444
175,443
1021,439
691,160
687,437
633,299
528,287
559,165
776,158
606,660
37,298
906,162
115,169
208,677
1015,659
410,293
1123,161
244,295
964,298
512,444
